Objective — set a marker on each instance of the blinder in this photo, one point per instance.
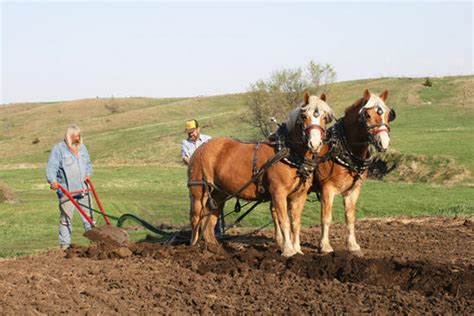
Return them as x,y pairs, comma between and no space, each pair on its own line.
392,115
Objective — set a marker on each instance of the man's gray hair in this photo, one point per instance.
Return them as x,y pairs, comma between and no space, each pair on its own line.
72,130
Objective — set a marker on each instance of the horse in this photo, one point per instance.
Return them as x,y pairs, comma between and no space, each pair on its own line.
344,160
279,169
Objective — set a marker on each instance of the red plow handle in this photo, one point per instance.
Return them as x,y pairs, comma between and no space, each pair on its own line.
79,208
101,208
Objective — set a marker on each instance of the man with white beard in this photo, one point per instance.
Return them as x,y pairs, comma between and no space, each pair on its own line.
69,164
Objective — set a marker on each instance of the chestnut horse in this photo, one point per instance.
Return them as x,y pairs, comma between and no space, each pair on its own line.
224,168
344,160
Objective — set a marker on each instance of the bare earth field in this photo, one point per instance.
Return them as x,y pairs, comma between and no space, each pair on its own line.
423,265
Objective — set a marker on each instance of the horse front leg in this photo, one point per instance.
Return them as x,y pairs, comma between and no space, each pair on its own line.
281,208
350,201
327,199
296,209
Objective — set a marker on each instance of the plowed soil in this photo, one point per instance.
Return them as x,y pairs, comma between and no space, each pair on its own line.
415,266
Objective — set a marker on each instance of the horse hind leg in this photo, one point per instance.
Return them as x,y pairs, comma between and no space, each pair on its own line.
212,216
278,232
198,202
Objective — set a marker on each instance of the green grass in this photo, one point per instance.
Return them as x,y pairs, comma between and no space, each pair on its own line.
136,156
159,195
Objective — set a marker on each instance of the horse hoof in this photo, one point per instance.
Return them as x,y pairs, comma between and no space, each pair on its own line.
288,253
325,251
299,252
357,253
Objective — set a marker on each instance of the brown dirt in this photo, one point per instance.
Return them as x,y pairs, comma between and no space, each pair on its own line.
413,266
108,236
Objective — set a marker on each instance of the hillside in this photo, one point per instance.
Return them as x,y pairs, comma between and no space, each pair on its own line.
135,147
430,120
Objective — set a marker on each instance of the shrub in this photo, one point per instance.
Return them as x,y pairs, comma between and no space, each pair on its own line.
411,168
7,195
427,82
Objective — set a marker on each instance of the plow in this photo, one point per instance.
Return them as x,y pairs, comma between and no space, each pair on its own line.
108,234
117,236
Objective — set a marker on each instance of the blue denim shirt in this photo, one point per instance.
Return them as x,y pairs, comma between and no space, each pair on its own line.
188,147
67,169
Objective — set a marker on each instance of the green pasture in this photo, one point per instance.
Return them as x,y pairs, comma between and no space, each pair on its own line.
159,195
135,147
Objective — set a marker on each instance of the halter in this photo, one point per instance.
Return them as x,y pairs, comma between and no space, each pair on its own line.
307,131
382,127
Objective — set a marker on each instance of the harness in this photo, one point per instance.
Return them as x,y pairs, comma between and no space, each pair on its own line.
285,152
305,167
341,153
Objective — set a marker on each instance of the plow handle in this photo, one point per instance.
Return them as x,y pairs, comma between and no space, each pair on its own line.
74,202
101,208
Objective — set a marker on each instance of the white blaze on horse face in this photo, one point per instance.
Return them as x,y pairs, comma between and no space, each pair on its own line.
315,136
377,103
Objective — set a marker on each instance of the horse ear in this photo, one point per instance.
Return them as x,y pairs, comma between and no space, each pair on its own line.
392,115
366,95
330,117
384,95
306,98
323,97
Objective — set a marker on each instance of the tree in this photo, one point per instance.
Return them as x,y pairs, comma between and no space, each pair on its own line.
283,92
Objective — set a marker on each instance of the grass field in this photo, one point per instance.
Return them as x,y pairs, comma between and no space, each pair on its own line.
135,148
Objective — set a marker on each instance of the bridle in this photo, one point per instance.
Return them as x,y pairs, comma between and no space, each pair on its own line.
382,127
307,131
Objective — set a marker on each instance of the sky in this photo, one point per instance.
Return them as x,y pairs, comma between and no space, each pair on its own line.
60,50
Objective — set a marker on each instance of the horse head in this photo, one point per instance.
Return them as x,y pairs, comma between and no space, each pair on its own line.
375,117
314,115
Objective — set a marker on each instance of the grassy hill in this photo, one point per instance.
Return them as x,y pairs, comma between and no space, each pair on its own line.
135,147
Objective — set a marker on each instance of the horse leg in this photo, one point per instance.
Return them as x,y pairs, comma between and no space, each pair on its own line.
296,208
327,199
212,217
278,233
350,201
281,207
198,200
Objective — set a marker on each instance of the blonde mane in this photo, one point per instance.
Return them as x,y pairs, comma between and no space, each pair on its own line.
315,103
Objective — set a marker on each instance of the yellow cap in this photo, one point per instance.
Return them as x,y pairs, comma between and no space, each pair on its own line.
190,125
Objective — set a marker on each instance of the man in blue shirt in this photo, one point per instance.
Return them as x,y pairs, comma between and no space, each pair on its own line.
69,165
194,140
188,146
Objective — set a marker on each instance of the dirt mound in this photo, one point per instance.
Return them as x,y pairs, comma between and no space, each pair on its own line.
410,266
108,237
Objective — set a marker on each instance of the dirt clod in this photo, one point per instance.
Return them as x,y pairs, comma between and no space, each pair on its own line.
108,236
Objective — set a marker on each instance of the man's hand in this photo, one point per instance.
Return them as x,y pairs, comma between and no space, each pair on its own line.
87,178
53,185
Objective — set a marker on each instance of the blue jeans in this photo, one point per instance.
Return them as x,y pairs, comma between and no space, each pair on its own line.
66,211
